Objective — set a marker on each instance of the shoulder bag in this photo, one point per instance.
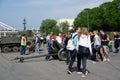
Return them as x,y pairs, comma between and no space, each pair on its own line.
83,50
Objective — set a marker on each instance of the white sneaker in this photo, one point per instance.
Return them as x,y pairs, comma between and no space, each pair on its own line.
104,59
108,59
79,72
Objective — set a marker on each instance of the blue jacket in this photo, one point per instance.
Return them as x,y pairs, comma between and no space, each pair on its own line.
75,39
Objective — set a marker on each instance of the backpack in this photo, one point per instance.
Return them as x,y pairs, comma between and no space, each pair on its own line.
70,43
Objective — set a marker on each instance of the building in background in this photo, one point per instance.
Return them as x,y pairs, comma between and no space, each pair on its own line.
70,22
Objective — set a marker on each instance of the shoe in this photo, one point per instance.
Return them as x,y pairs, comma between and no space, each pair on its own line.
68,71
47,59
101,61
108,59
94,62
86,73
83,75
104,59
116,51
79,72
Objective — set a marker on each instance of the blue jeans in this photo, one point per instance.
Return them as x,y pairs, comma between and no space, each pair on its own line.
37,47
110,48
23,50
83,59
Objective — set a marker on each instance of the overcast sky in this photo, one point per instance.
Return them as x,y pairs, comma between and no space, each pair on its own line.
13,12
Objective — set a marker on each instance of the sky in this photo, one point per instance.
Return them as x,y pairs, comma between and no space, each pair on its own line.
12,12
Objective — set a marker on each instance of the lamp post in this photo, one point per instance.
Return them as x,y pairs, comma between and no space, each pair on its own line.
119,9
88,20
45,29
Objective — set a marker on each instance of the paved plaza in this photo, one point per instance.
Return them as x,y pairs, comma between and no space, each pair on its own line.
40,69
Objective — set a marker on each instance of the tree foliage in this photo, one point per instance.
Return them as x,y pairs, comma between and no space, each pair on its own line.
64,27
106,17
49,25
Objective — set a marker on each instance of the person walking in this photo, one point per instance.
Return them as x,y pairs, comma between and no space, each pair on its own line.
104,43
110,45
68,35
37,42
74,51
97,47
116,42
84,43
50,39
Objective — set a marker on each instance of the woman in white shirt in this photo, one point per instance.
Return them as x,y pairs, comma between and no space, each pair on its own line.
83,41
97,46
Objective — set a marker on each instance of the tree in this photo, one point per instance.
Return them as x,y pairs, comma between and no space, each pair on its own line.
106,16
49,25
64,27
96,18
111,15
82,19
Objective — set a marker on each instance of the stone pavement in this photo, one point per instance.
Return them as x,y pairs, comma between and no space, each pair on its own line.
39,69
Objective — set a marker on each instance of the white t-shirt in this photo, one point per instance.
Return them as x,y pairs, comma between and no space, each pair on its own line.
85,41
97,40
59,39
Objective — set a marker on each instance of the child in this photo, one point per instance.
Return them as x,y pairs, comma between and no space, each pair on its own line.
110,45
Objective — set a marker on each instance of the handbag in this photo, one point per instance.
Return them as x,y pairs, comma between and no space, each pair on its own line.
97,47
83,50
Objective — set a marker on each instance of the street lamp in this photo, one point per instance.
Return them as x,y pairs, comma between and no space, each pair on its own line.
45,30
119,9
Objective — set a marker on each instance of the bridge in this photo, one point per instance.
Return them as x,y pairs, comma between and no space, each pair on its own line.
5,27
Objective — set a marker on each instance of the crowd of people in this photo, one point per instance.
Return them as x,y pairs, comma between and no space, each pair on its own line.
81,45
94,45
34,45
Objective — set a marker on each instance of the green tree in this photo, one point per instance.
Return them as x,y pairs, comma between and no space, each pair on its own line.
111,15
106,16
96,18
49,25
82,19
64,27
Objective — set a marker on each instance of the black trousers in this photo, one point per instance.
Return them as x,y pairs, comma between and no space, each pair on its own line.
94,58
72,59
68,56
116,46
